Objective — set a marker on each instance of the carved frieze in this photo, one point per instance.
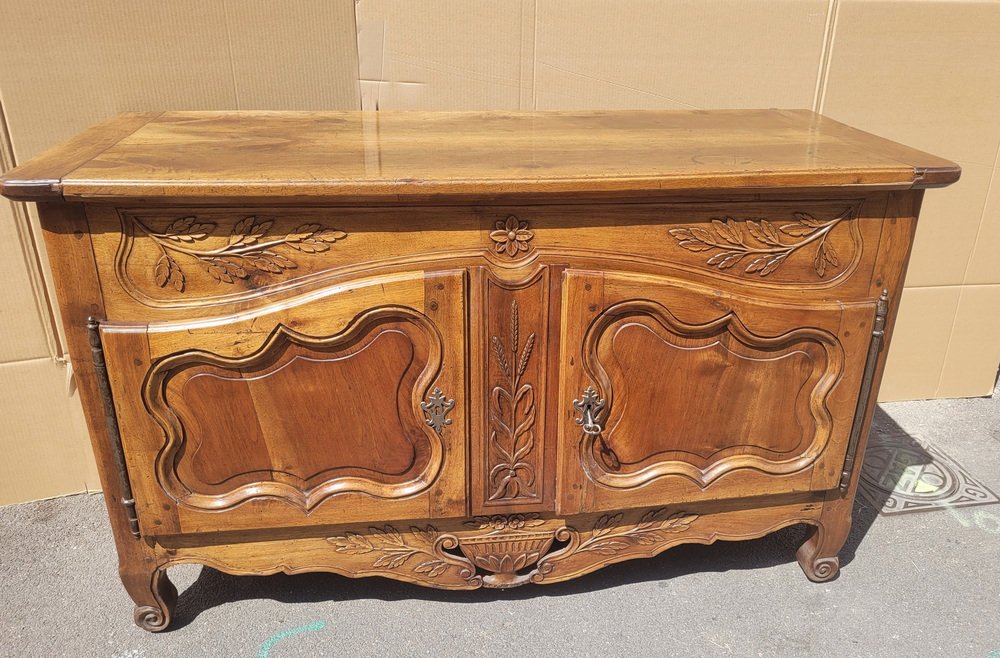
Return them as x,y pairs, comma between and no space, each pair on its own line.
251,246
759,246
508,551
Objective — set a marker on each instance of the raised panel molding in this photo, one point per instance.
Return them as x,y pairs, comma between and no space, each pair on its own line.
816,355
401,344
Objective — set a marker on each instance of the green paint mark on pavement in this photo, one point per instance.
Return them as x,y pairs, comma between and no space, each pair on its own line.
265,649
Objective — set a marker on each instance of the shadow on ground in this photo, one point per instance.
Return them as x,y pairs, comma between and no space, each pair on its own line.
213,588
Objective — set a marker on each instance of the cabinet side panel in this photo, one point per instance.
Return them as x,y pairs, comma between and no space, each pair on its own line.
78,293
890,271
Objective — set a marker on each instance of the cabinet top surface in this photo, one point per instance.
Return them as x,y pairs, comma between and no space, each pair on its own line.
400,155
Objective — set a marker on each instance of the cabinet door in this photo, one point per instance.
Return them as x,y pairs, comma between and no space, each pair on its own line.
345,404
698,394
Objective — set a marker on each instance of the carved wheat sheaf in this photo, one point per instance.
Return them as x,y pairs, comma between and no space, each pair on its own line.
764,243
512,418
249,249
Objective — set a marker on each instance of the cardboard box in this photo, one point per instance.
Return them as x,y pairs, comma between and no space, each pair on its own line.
931,81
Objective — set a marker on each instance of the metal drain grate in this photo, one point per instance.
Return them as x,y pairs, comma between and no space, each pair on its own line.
902,475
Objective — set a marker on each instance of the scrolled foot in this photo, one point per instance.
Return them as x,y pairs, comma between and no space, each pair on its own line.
151,619
818,555
822,569
154,597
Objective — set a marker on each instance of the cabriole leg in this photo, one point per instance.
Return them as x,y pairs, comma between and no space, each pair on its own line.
818,553
154,597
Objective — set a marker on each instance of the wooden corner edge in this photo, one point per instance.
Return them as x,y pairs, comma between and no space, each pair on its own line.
40,178
936,176
31,190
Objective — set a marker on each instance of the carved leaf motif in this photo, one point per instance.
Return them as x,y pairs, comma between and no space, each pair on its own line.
247,249
393,559
310,246
301,233
808,219
388,534
607,538
757,264
608,547
433,568
188,229
678,521
797,230
730,230
764,232
606,523
647,538
225,269
167,271
770,251
248,231
161,271
330,235
353,544
394,550
773,264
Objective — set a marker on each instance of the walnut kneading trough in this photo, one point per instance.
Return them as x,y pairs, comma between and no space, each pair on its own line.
473,349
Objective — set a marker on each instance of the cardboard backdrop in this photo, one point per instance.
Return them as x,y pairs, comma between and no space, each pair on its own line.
923,73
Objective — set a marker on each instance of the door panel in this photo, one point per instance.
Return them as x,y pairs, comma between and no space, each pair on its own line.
345,405
703,395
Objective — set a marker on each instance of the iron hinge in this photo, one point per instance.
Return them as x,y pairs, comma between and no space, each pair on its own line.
874,347
111,420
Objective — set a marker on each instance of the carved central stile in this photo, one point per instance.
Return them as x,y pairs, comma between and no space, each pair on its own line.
512,416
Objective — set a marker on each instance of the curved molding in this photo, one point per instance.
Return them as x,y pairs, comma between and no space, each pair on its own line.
728,323
501,555
154,395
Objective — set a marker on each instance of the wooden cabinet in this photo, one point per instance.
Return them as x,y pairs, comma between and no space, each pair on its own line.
471,350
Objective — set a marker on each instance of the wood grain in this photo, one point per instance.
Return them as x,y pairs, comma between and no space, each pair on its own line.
191,155
41,178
